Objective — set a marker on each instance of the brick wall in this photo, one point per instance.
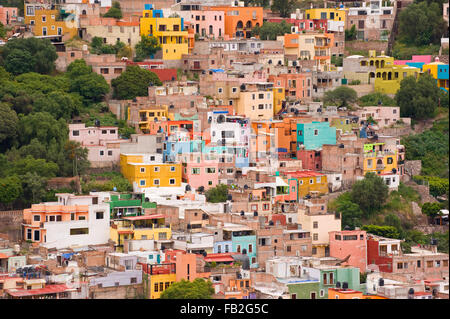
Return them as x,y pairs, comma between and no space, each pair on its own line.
11,224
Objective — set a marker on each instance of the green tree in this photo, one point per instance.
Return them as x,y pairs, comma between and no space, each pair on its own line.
147,47
10,189
59,104
418,99
421,24
270,30
283,7
217,194
369,193
34,187
90,85
2,31
383,231
184,289
350,34
341,96
133,82
351,213
38,55
432,210
114,12
8,126
77,155
373,99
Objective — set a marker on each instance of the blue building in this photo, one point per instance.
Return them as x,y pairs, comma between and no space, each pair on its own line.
311,136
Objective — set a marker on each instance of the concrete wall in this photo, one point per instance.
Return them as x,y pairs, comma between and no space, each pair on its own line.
11,224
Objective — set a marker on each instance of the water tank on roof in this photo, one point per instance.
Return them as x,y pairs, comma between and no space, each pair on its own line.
345,285
338,284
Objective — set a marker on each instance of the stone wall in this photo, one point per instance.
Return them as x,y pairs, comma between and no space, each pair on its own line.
121,292
366,46
11,224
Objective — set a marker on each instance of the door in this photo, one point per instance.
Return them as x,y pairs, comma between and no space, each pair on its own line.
313,295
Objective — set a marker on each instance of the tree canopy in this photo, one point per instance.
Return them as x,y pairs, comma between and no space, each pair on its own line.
184,289
283,7
147,47
419,98
421,24
29,55
114,12
134,82
341,96
217,194
270,30
369,193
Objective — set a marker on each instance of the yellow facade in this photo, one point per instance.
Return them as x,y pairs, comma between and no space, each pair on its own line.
379,160
147,117
278,98
144,175
309,184
47,23
168,31
432,69
159,283
149,229
326,13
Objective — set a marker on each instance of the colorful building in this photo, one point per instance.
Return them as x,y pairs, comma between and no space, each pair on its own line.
139,170
139,228
304,183
311,136
46,22
351,243
129,204
170,32
379,159
330,276
439,71
239,21
333,14
297,86
8,15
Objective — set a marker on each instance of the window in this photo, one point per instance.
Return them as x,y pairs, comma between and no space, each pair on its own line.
390,160
156,169
76,133
109,153
316,236
156,181
37,218
322,293
29,234
102,153
399,265
142,169
79,231
44,18
156,287
238,248
315,224
99,215
250,248
81,217
172,181
210,170
133,280
172,168
142,182
316,132
72,216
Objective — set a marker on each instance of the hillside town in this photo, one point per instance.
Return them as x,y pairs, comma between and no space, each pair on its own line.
224,149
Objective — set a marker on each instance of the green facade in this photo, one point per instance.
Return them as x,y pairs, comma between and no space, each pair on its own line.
127,205
349,275
305,290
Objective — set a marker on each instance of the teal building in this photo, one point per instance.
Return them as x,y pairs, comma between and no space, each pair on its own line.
311,136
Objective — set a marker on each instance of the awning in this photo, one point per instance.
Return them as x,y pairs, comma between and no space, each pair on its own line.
280,182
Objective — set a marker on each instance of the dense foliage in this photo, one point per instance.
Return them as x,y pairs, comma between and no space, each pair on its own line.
20,56
350,34
270,30
419,98
432,148
421,24
184,289
341,96
114,12
133,82
373,99
218,194
283,7
146,48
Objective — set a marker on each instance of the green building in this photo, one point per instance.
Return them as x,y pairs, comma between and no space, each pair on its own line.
330,276
128,204
303,288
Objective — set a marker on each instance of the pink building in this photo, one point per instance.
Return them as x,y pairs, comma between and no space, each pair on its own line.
383,115
303,24
351,243
425,59
206,23
102,142
204,173
8,15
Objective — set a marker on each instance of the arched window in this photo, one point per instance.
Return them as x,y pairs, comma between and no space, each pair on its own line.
239,25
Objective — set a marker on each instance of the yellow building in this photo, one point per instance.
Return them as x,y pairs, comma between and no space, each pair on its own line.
170,33
148,117
278,98
160,282
333,14
46,22
379,160
150,227
438,71
307,182
138,168
387,76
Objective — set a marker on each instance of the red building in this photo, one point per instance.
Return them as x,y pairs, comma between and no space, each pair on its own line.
380,252
351,244
311,159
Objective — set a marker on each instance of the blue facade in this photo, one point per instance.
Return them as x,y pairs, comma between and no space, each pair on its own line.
314,135
249,244
221,247
186,147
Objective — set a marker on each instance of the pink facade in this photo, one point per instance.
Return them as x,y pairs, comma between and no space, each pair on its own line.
205,173
383,115
415,59
351,243
8,15
206,23
304,24
103,143
292,192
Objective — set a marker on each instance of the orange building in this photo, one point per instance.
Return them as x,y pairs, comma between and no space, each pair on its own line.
296,85
239,21
337,293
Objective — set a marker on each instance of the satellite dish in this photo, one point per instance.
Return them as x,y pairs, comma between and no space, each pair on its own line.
271,223
255,213
220,119
188,188
242,213
245,186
